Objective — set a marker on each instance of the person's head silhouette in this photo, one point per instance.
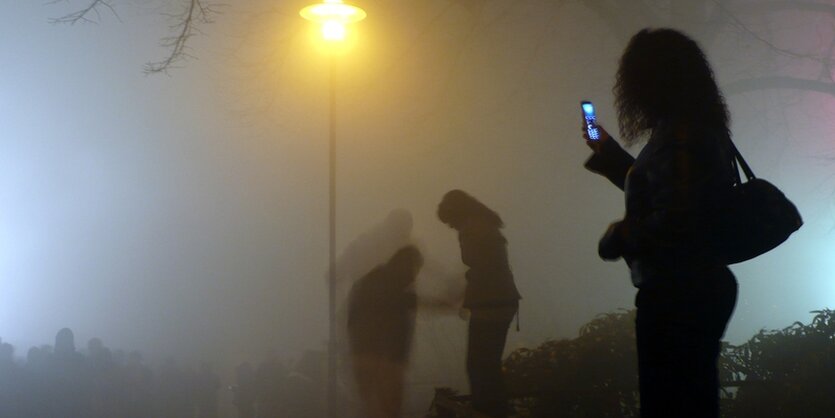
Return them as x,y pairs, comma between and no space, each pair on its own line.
64,342
664,76
457,208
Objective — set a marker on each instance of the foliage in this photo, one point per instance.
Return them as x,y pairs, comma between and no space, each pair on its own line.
783,373
593,375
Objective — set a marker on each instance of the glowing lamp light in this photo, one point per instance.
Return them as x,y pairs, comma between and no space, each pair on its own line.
333,31
333,15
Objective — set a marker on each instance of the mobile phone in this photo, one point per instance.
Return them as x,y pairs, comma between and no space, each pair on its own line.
591,120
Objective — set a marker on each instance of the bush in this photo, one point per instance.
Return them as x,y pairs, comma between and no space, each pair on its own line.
783,373
593,375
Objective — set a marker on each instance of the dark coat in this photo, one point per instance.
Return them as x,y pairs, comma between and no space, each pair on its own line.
674,190
381,315
489,279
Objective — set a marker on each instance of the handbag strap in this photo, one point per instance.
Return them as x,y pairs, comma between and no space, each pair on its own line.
738,161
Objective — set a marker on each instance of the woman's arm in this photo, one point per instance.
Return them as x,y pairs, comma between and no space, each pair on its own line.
436,305
609,159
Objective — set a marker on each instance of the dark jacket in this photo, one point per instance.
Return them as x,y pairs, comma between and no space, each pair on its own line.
674,190
489,279
381,315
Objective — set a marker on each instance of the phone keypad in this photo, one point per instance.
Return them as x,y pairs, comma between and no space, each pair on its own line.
591,128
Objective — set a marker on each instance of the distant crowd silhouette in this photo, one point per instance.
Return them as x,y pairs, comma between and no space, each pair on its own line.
62,381
272,389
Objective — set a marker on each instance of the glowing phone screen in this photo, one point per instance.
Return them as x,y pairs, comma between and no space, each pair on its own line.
591,121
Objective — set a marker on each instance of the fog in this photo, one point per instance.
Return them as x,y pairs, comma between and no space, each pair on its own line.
185,213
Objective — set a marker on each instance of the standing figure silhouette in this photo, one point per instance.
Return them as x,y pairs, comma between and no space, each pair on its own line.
490,296
665,90
381,323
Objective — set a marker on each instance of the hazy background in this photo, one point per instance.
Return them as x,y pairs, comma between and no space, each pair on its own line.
186,213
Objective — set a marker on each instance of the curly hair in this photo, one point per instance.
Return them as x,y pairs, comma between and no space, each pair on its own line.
664,76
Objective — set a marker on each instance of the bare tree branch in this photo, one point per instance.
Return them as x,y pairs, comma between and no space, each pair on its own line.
193,15
83,15
783,51
714,22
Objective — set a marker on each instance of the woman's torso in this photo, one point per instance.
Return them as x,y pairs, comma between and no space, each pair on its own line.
490,281
673,177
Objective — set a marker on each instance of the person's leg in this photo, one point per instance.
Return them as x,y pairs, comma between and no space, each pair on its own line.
365,376
475,361
485,346
656,386
391,388
698,392
678,334
715,311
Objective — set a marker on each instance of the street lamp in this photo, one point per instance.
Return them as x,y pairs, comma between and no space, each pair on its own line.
333,16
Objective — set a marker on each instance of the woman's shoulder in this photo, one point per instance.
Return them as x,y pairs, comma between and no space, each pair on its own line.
696,138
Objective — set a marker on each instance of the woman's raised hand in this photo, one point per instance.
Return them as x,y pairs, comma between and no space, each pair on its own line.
596,145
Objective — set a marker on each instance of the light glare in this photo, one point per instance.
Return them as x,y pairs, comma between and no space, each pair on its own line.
589,109
333,31
333,15
333,11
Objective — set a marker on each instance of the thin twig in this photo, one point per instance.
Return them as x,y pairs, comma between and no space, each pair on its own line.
738,23
83,15
187,25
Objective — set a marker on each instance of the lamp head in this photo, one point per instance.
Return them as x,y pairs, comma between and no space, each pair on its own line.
333,15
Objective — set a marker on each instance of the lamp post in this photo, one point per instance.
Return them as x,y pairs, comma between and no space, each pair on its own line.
333,16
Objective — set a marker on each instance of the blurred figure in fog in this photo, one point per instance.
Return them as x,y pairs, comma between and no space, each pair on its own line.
174,391
65,347
381,323
207,384
10,388
304,391
138,380
105,386
271,382
98,354
375,246
69,379
244,391
368,250
35,400
490,296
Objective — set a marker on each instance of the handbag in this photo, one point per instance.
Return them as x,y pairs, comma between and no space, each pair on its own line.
757,218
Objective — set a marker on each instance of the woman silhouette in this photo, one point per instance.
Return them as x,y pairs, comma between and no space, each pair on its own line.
665,91
490,296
